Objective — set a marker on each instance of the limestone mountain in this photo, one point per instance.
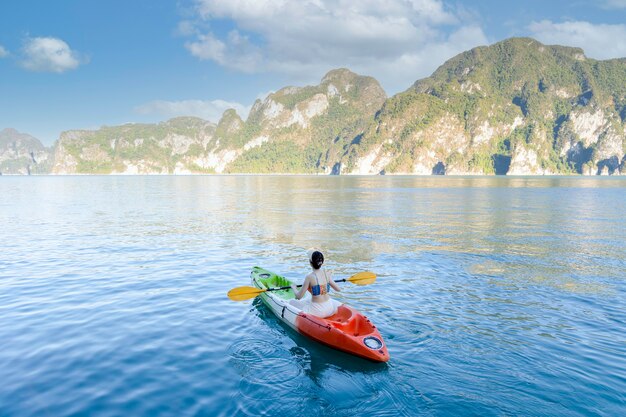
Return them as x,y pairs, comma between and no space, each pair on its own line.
516,107
180,145
22,154
308,129
295,130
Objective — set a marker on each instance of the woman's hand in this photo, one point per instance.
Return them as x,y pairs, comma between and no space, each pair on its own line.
300,293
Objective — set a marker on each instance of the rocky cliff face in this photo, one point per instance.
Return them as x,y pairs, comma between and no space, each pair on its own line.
22,154
516,107
178,146
295,130
308,129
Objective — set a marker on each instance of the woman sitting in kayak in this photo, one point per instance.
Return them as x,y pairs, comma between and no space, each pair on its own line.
318,282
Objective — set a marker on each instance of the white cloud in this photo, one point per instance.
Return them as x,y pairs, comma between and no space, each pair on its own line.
185,28
208,110
239,53
614,4
207,47
49,55
304,37
599,41
3,52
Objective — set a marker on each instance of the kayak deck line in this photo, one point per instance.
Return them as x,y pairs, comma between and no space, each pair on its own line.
346,330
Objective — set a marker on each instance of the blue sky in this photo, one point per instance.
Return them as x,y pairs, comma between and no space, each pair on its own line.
81,64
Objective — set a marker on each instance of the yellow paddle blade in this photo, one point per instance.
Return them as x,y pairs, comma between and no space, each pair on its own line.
363,278
244,293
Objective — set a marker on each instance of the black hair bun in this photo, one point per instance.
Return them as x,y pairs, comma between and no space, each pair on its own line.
317,259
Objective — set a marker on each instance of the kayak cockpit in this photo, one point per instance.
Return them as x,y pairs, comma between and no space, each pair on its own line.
351,322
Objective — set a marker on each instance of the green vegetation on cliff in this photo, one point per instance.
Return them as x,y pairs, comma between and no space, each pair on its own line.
512,98
517,106
309,129
153,147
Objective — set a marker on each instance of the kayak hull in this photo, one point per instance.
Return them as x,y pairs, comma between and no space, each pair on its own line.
346,330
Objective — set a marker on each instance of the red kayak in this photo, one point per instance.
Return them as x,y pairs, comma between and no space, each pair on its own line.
346,330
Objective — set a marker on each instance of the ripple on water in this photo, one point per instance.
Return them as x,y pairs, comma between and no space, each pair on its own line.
253,357
405,333
267,372
405,399
349,394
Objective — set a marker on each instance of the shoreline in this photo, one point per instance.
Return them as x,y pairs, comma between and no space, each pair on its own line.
321,175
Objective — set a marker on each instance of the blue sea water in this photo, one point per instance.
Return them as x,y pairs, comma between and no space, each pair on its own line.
496,296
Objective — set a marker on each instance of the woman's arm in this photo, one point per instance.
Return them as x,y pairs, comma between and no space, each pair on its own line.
303,289
333,284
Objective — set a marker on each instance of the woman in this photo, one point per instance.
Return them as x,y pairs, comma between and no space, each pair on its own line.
318,283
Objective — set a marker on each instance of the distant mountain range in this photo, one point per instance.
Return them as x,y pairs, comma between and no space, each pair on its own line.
515,107
23,154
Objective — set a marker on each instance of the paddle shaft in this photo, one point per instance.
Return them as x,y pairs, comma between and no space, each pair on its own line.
288,287
245,293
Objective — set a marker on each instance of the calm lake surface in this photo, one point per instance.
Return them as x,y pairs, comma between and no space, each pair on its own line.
496,296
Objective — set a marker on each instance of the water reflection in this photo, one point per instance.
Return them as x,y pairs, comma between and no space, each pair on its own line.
495,295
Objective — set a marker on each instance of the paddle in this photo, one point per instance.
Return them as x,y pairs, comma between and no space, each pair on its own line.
245,293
